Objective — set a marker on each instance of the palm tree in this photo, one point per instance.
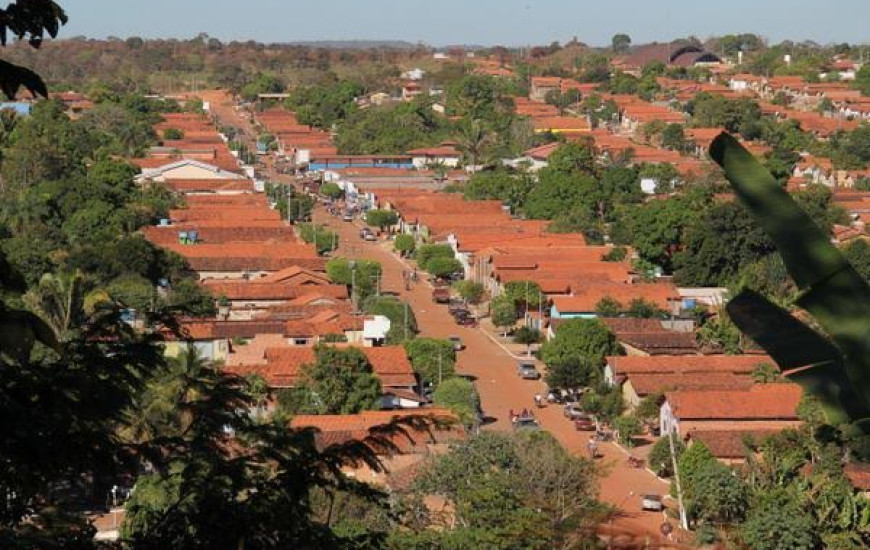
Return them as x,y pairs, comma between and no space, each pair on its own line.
63,302
473,140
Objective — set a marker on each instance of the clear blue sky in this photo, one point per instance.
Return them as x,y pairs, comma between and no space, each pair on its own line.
487,22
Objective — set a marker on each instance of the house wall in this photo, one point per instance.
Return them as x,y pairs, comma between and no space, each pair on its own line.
687,426
421,163
189,173
556,314
231,274
631,398
211,350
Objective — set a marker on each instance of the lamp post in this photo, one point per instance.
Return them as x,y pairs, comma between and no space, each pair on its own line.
352,265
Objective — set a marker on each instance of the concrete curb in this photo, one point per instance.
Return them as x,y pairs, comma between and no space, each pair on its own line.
502,346
628,453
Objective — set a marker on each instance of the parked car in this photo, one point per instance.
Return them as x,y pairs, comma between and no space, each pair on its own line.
364,232
465,319
573,411
441,295
526,423
584,423
527,371
652,503
370,236
348,217
457,343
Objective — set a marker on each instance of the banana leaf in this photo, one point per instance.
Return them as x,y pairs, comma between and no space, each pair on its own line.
832,292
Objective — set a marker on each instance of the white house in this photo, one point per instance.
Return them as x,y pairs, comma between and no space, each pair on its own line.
445,154
186,169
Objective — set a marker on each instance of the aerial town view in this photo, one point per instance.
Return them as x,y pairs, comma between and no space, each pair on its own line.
525,275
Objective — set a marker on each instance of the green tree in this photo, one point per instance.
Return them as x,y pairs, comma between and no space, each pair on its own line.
608,307
524,294
765,373
587,339
660,456
339,382
474,140
503,313
858,254
382,219
720,496
674,138
427,252
460,396
470,291
173,134
331,190
434,360
627,428
620,43
403,324
778,522
659,228
572,372
527,336
644,309
404,244
696,458
323,239
360,276
443,268
616,254
572,157
719,245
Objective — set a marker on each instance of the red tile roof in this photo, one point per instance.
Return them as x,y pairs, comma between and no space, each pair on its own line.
439,426
586,298
730,444
759,402
647,384
664,364
283,366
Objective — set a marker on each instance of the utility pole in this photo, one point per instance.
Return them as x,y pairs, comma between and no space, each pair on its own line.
406,320
684,521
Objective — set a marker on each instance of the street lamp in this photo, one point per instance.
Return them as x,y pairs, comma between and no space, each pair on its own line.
352,265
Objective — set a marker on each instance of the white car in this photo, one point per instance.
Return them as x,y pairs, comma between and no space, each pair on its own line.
652,503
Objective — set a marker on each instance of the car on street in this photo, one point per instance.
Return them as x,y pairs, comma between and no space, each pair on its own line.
370,236
441,295
584,423
348,217
457,343
527,371
364,232
652,503
572,411
526,423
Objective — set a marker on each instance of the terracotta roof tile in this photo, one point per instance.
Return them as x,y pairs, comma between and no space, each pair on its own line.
647,384
759,402
730,444
587,297
664,364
